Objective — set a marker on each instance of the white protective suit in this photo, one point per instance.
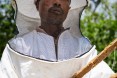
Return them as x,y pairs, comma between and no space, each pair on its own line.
32,54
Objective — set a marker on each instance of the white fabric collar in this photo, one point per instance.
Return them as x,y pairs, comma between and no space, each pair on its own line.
40,45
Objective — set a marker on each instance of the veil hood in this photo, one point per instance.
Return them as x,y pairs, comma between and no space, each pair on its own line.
27,16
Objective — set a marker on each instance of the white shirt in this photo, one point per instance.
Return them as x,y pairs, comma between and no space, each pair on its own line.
40,45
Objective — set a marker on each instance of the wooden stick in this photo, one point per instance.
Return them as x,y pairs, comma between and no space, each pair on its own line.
114,75
101,56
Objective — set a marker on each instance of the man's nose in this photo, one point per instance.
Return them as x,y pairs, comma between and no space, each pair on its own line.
57,3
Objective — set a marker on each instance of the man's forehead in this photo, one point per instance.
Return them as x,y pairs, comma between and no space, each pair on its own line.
68,1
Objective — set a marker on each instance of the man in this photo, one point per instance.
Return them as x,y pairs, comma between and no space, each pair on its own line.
50,50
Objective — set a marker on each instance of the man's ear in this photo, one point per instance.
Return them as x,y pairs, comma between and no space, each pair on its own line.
37,4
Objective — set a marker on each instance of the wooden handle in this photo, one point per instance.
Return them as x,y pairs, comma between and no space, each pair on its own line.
114,75
101,56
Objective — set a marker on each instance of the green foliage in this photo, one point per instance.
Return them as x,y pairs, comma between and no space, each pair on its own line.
101,33
101,29
7,26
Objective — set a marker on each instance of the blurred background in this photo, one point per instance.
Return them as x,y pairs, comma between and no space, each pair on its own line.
98,23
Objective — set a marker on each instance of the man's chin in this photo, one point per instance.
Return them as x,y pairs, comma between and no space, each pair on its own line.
55,22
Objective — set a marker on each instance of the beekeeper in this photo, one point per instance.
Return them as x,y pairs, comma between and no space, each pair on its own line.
50,43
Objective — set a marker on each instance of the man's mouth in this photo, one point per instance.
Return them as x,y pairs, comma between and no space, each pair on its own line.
56,10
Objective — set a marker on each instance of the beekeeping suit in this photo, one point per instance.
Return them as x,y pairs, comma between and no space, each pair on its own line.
31,54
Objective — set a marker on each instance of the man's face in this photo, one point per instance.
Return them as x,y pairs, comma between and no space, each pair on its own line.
53,11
